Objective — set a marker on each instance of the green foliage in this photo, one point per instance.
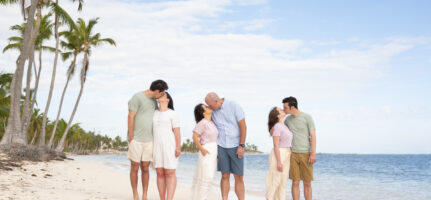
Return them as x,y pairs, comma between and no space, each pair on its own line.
190,146
78,140
251,148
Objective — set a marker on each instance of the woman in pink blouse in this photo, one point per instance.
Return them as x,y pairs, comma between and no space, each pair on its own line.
279,159
205,137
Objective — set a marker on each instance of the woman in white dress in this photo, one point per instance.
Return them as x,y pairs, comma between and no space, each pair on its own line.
205,137
167,149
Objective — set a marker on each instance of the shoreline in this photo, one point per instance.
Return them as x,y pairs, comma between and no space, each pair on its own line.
81,179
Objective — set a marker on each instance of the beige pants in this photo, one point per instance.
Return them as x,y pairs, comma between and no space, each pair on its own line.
276,180
204,173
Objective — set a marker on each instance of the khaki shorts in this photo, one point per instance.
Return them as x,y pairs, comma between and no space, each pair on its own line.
300,168
140,151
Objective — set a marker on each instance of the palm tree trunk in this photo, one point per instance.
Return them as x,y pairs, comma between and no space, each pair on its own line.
26,115
63,138
34,138
60,145
36,87
51,89
51,140
13,133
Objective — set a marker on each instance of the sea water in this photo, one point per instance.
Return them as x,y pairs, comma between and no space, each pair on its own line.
346,177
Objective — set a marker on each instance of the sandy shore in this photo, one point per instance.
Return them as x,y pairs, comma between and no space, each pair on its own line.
76,179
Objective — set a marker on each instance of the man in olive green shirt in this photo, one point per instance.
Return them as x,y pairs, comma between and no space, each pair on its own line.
303,147
140,133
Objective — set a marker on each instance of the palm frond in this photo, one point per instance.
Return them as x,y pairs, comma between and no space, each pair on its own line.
16,46
15,39
48,48
66,55
8,2
62,15
80,4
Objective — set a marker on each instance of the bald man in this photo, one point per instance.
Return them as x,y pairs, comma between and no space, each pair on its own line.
229,119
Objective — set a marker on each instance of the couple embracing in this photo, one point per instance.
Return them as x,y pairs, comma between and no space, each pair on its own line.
294,152
154,137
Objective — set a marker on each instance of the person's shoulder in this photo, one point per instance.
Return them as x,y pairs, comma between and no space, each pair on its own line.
172,112
278,126
306,115
233,104
203,122
289,117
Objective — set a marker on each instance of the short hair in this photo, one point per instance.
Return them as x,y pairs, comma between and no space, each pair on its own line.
291,101
199,112
159,85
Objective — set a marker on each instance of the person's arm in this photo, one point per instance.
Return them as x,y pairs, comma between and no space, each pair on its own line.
242,135
276,141
198,144
312,158
177,141
131,124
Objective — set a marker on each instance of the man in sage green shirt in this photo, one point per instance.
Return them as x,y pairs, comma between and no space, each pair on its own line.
303,147
140,133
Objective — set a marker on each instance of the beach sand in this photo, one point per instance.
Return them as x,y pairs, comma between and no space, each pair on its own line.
76,179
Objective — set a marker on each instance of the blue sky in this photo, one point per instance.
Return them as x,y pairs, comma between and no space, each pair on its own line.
360,68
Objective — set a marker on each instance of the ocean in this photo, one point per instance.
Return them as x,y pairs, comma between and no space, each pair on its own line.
337,176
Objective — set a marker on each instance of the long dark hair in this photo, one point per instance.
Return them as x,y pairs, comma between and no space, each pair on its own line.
171,102
199,112
273,118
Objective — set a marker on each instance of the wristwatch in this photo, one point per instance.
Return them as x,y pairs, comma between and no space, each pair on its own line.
242,145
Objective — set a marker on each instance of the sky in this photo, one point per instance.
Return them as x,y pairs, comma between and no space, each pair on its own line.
360,68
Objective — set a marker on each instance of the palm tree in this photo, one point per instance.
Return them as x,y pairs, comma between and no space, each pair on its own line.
74,47
84,33
13,133
15,42
59,14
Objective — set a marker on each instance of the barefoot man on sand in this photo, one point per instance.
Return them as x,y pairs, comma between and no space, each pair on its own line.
140,130
229,119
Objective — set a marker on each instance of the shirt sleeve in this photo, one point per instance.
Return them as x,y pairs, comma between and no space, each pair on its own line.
310,123
175,121
199,128
134,104
277,131
239,113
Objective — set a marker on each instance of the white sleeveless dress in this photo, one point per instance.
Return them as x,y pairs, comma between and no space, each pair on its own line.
164,139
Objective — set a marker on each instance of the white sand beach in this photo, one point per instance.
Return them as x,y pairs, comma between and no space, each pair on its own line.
77,179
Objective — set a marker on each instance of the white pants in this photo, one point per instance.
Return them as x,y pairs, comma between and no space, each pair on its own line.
204,173
276,180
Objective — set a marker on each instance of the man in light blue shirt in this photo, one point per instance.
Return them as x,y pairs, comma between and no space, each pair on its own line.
229,119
